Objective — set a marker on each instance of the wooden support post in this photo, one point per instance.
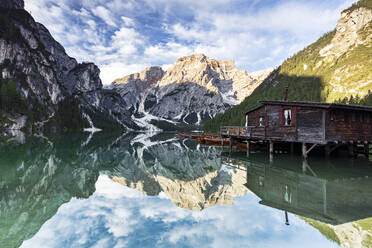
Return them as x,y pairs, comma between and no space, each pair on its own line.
350,147
230,144
327,150
304,166
366,150
286,218
271,151
304,151
324,197
271,158
271,147
248,148
291,148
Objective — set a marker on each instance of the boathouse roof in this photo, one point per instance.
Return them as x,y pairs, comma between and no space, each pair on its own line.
320,105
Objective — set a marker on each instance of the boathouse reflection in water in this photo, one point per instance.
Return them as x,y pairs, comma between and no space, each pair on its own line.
334,195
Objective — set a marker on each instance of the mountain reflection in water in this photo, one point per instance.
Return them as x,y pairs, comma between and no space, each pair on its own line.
137,190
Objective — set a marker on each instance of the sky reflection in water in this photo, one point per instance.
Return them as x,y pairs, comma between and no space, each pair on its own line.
136,190
117,216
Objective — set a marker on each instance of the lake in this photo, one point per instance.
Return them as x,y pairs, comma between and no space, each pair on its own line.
157,190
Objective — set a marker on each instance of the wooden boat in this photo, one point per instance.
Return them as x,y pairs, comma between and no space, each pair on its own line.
208,139
183,135
195,136
189,136
216,141
200,140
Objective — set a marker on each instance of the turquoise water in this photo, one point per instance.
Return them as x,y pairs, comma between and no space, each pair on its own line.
156,190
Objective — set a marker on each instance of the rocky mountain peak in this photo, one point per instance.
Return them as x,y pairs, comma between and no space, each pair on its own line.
12,4
150,74
192,58
349,32
200,69
134,87
192,90
217,76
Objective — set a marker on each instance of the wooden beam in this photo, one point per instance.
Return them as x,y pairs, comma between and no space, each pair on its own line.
311,148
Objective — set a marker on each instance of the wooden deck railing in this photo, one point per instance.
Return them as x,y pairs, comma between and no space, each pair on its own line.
236,131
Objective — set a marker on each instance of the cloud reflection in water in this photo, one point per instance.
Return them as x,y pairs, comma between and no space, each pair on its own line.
117,216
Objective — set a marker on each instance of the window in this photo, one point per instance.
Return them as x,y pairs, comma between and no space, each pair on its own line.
261,121
287,194
287,117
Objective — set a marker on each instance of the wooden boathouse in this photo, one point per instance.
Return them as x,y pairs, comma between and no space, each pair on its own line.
329,125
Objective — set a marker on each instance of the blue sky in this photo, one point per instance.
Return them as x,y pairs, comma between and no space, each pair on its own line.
124,37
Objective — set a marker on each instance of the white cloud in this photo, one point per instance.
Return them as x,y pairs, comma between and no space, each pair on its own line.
104,14
112,71
136,34
103,243
128,21
112,218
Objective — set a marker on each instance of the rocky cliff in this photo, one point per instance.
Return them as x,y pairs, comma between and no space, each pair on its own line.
44,80
337,67
194,89
12,4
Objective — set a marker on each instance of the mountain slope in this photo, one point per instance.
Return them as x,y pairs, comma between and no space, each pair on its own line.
352,234
194,89
44,87
336,66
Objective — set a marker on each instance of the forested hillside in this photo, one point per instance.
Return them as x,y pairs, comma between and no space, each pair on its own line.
335,68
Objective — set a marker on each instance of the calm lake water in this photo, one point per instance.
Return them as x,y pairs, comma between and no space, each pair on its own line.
156,190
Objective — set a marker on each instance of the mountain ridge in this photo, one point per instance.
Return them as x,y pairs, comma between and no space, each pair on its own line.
195,88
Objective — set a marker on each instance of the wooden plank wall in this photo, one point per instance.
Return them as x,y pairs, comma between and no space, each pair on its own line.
310,125
346,125
313,125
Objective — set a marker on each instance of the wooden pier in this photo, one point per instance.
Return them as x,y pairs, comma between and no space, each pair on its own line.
311,125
